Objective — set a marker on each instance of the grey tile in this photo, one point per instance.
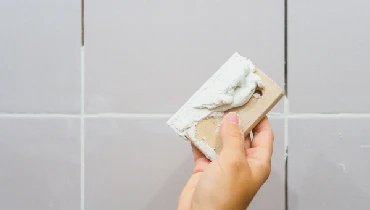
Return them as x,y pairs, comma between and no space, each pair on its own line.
40,56
329,50
272,193
144,48
134,164
327,164
40,164
141,163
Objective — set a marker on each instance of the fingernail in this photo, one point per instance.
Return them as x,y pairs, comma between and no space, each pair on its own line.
232,117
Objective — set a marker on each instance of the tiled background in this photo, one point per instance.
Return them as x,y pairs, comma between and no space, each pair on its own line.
85,129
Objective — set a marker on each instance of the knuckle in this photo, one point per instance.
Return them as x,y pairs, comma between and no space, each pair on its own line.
236,163
235,133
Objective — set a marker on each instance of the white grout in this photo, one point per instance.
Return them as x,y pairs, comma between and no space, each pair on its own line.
40,115
275,116
165,115
270,114
105,115
128,115
82,129
328,115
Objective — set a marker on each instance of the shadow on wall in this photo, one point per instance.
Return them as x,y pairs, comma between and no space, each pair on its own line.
326,186
271,195
167,197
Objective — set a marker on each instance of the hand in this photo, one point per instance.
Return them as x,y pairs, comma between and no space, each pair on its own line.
233,179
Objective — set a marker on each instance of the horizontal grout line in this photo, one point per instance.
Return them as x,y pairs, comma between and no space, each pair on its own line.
99,115
41,115
168,115
128,115
329,115
151,115
103,115
277,114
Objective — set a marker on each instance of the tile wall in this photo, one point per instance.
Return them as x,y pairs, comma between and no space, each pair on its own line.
84,128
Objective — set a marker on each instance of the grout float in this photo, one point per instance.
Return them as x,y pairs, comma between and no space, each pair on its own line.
231,86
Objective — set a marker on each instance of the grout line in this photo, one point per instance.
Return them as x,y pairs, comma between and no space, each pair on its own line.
128,115
275,116
286,184
82,22
137,115
82,116
286,146
271,114
105,115
41,115
286,117
328,115
167,115
286,47
286,101
286,104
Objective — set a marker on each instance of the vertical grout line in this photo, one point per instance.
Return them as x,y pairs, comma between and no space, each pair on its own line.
286,47
286,102
82,131
286,147
82,22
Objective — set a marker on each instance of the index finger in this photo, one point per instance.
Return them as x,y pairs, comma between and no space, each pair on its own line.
263,136
200,160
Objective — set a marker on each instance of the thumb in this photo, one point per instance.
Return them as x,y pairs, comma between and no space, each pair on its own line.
231,134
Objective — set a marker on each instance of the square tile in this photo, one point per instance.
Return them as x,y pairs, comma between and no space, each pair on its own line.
328,56
135,163
40,164
140,163
327,164
40,56
151,56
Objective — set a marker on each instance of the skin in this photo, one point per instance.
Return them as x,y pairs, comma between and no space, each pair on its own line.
233,179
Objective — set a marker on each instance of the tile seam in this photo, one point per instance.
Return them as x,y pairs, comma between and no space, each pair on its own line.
94,116
82,134
286,146
154,115
286,104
